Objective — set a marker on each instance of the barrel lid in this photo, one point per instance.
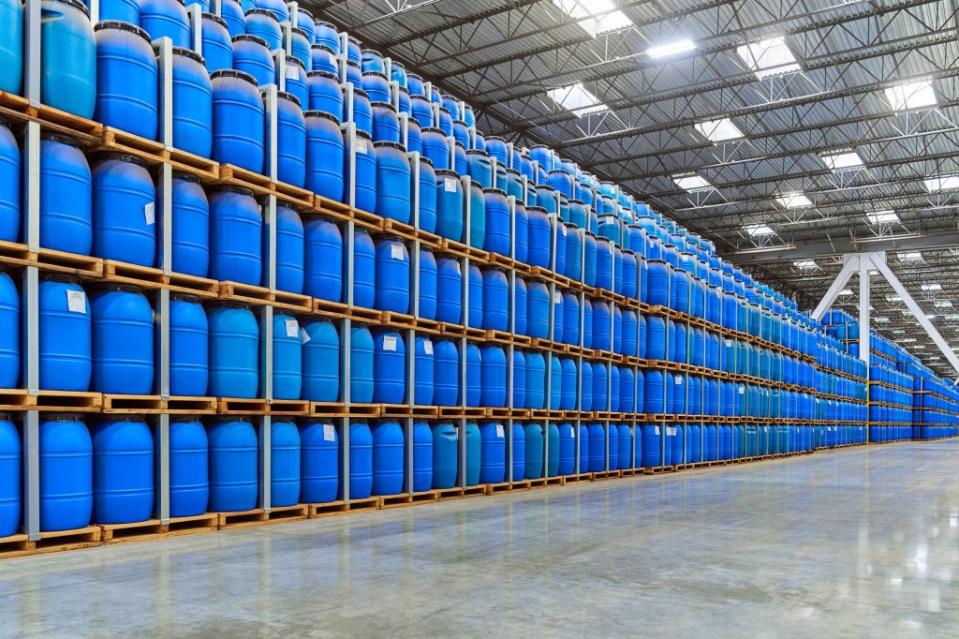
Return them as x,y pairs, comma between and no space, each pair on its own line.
540,146
434,129
414,75
186,177
461,123
354,40
495,190
262,12
119,25
296,61
512,171
321,114
544,187
375,73
383,105
404,90
79,4
579,202
447,172
286,95
322,74
350,63
369,50
389,144
420,97
233,73
56,137
571,225
480,152
363,134
320,45
324,23
122,157
360,92
61,417
188,53
661,261
627,251
229,188
301,31
534,207
443,108
308,13
557,171
214,18
246,37
426,161
459,145
495,137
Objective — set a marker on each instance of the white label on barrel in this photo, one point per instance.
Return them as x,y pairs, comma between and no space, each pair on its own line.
742,390
499,431
331,58
679,380
557,297
573,433
77,302
329,432
562,229
149,213
292,72
304,336
396,251
729,342
428,347
457,265
670,431
361,147
389,343
292,328
657,430
450,185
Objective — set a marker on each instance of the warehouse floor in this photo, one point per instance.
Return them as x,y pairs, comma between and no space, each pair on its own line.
859,542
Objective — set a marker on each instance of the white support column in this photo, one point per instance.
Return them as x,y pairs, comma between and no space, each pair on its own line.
864,311
849,267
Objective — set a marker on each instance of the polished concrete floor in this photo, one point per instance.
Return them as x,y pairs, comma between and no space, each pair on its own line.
852,543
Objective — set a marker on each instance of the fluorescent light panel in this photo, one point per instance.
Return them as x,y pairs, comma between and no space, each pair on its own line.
759,230
883,217
846,291
672,48
768,58
806,264
587,13
577,99
721,130
910,256
911,95
934,286
692,183
793,200
842,161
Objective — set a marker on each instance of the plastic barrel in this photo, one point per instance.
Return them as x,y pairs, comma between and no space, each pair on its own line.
66,193
319,462
234,352
68,57
66,474
493,464
323,260
236,241
124,210
126,79
445,455
238,120
388,458
361,461
66,354
122,342
392,275
10,470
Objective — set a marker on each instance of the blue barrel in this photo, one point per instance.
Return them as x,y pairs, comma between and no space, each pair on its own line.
654,392
287,357
364,269
535,382
388,458
363,114
392,181
11,51
126,79
392,275
445,455
627,391
122,342
589,259
65,336
232,14
569,382
474,375
191,227
497,222
361,365
567,449
386,124
479,168
422,457
66,193
66,474
493,457
435,147
425,372
189,467
449,205
124,208
325,94
428,285
612,435
537,309
324,59
10,185
319,463
361,461
236,239
233,465
533,451
555,383
495,300
376,85
251,54
597,448
475,289
166,18
422,111
10,470
449,284
321,361
284,464
323,260
234,352
291,154
289,250
539,232
325,156
238,120
9,332
389,368
604,264
445,373
217,46
652,441
68,57
493,362
263,24
519,379
474,451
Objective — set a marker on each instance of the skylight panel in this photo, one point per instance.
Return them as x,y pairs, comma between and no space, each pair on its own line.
759,230
768,57
883,217
577,99
595,17
793,200
911,95
671,48
843,160
931,286
806,265
692,183
845,292
942,304
910,256
721,130
880,319
941,183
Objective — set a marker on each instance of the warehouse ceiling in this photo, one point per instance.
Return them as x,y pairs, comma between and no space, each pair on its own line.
809,127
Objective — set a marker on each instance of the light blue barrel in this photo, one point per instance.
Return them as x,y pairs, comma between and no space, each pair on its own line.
445,455
425,372
233,465
422,457
597,448
126,79
68,57
361,365
533,449
428,285
11,50
9,332
321,361
234,352
66,360
519,379
475,307
10,184
493,376
285,478
537,309
389,368
10,472
122,342
232,14
191,227
449,205
287,357
535,380
497,222
236,241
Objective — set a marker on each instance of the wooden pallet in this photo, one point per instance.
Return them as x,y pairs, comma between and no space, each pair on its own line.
244,293
569,479
395,501
399,320
328,409
66,401
257,516
288,407
140,404
134,274
292,301
149,529
232,175
395,410
15,546
365,410
14,399
237,406
68,263
67,540
607,474
186,405
368,503
207,522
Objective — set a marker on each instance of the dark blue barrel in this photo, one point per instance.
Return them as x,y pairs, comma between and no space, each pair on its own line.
284,463
122,342
445,373
422,457
66,474
604,264
361,365
325,94
449,205
233,465
323,260
392,181
521,241
567,449
189,467
425,372
66,193
652,442
68,57
235,236
445,455
392,275
189,336
191,227
251,54
389,368
602,339
449,291
324,155
321,361
126,79
612,435
388,458
234,352
497,222
495,300
238,120
192,103
654,393
537,309
361,461
10,472
600,387
493,464
66,360
319,462
493,376
287,357
568,389
263,24
124,211
217,46
475,287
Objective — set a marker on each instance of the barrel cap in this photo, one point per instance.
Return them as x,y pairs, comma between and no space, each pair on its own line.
186,177
495,190
360,92
322,74
426,160
119,25
320,45
421,97
301,31
443,108
376,74
495,137
447,173
233,73
533,207
55,137
214,18
383,105
480,152
389,144
188,53
321,114
120,157
246,37
262,12
309,14
433,129
229,188
324,23
286,95
78,4
296,61
544,187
